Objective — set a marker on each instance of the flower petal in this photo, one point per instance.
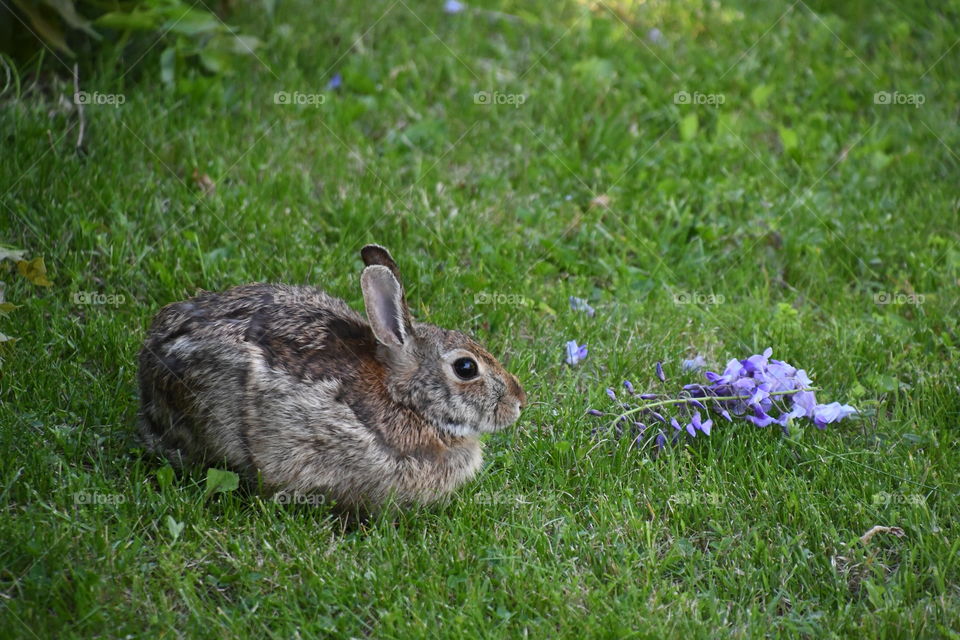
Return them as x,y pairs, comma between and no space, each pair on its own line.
706,426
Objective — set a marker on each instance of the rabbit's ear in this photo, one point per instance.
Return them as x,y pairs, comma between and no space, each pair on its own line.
386,309
375,254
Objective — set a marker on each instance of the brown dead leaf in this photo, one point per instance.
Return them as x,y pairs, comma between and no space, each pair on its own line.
897,531
34,271
5,307
204,182
603,200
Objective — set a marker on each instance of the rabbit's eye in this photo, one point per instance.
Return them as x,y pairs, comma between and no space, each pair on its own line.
466,368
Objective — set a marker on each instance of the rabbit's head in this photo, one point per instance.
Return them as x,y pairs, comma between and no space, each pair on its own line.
445,376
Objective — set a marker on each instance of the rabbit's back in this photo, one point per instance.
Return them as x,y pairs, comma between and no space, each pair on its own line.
201,355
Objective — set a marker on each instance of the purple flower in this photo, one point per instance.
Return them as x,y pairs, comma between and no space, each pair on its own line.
612,394
803,380
796,412
628,387
781,376
756,363
760,418
806,402
335,82
758,396
594,412
575,353
694,364
453,7
730,374
705,426
579,304
824,414
660,375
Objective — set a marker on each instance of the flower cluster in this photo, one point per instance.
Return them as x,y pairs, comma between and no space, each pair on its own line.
758,389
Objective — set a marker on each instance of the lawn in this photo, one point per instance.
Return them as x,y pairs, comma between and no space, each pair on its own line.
714,178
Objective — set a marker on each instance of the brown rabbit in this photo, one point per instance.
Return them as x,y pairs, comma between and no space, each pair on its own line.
292,387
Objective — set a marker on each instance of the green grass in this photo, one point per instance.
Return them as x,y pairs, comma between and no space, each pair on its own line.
794,204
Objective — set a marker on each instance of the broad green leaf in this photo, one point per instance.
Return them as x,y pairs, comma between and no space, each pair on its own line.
760,94
879,160
220,481
886,383
216,60
543,306
788,138
174,528
689,126
130,21
165,476
48,30
168,66
598,71
69,14
243,44
193,22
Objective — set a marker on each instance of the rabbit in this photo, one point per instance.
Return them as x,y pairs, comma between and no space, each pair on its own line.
292,388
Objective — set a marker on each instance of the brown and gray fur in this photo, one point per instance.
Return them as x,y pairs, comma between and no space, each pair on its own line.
293,388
